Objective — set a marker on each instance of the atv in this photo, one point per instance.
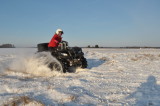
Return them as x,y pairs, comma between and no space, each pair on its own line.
68,57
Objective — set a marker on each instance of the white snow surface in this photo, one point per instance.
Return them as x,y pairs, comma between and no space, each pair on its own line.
114,77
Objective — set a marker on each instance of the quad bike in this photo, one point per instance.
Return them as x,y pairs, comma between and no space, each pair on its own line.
68,57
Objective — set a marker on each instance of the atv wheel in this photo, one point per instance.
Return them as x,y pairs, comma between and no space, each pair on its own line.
45,58
84,62
60,66
54,66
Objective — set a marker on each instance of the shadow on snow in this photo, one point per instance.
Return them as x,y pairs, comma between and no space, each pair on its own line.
147,94
94,63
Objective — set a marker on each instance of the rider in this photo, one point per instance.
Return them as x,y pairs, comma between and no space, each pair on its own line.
56,39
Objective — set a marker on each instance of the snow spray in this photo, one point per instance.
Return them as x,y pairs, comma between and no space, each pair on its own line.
36,64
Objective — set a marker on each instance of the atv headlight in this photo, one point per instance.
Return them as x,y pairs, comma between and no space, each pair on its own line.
64,54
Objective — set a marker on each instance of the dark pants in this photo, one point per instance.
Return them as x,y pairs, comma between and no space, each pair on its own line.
53,50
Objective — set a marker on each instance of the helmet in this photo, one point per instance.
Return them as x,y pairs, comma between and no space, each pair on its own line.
59,30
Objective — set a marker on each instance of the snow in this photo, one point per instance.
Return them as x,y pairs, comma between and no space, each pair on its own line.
114,77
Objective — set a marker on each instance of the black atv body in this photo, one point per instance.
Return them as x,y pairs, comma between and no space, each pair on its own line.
69,57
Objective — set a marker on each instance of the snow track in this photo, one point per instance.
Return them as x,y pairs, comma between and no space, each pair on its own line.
114,77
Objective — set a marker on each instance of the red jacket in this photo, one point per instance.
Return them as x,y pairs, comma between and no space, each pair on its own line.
54,41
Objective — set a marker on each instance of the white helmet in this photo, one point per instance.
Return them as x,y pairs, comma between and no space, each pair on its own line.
59,30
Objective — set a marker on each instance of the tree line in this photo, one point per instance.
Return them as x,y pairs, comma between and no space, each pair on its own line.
130,47
7,46
96,46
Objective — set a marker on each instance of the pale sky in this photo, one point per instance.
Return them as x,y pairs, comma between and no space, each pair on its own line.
109,23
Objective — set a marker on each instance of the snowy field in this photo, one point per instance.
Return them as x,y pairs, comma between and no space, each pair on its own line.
114,77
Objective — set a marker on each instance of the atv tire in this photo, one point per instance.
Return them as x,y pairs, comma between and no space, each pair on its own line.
54,66
84,62
52,63
59,67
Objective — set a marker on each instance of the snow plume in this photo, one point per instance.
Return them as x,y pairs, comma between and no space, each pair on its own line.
1,68
5,60
36,64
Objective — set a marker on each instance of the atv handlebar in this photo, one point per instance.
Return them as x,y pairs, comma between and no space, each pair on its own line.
63,45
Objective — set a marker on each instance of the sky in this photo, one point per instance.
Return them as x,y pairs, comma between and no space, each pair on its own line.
107,23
